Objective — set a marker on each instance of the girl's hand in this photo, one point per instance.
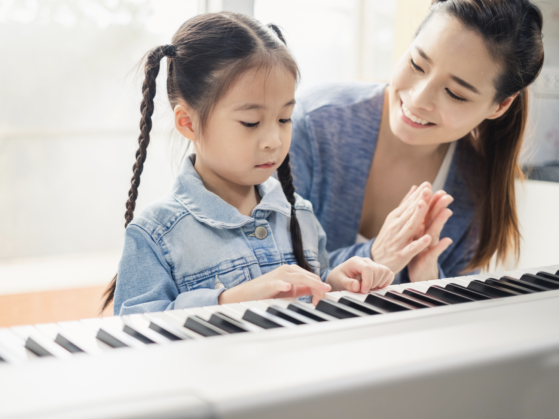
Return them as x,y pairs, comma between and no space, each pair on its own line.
424,266
397,242
283,282
359,275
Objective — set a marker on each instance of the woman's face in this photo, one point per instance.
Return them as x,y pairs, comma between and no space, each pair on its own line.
442,87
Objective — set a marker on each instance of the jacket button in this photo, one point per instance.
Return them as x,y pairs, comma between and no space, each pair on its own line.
261,232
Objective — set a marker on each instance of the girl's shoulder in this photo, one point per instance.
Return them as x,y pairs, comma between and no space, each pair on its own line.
340,95
160,217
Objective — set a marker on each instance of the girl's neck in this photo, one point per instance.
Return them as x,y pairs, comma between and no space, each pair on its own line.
396,148
242,197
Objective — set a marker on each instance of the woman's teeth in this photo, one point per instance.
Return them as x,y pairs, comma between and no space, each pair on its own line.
413,117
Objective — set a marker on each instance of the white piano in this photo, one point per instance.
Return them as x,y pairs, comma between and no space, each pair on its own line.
484,346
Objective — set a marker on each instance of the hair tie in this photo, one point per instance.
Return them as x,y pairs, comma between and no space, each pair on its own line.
169,51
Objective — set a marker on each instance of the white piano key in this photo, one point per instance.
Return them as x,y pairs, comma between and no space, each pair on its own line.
201,312
237,307
418,286
168,325
356,296
83,337
174,321
181,314
14,347
254,304
458,281
30,332
139,323
334,296
113,326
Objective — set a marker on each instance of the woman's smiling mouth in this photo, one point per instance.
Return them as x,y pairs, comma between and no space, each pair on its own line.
413,120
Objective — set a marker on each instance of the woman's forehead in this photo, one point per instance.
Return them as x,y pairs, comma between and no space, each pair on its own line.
457,51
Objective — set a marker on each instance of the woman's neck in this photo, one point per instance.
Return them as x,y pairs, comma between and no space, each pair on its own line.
242,197
395,148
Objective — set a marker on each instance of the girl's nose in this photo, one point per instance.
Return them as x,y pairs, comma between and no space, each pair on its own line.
271,141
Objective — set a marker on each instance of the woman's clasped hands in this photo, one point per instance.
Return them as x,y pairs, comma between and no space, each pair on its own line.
410,236
291,281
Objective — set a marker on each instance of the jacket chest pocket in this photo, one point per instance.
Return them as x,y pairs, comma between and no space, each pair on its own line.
214,280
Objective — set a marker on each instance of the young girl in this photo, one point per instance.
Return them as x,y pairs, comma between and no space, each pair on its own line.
228,232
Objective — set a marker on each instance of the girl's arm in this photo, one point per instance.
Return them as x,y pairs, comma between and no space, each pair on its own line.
145,283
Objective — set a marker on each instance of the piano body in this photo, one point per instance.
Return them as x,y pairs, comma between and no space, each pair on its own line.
484,346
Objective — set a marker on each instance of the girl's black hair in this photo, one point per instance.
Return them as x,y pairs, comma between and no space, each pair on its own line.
512,33
208,54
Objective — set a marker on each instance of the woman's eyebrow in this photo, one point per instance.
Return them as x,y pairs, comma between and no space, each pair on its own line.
457,79
251,106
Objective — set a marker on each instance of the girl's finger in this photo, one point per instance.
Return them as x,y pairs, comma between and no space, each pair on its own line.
387,278
368,277
350,284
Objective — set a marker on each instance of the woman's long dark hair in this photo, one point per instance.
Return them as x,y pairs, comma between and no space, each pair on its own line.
208,54
512,32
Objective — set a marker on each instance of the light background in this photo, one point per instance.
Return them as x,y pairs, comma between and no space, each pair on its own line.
69,115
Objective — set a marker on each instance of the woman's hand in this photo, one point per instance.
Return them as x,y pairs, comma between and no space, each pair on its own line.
424,266
397,242
283,282
359,275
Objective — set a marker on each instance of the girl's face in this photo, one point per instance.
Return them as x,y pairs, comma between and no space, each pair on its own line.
442,87
248,133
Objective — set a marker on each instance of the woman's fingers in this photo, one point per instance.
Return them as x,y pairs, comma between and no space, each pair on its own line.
437,226
424,190
438,204
443,244
415,247
408,229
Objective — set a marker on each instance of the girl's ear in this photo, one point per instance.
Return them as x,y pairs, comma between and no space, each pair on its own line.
502,107
185,121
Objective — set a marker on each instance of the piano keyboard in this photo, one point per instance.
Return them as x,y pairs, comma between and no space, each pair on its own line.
97,336
473,346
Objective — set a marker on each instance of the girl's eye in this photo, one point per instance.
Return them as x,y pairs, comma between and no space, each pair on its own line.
285,121
454,97
415,66
249,124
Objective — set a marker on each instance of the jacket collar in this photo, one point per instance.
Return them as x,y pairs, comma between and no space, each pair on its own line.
210,209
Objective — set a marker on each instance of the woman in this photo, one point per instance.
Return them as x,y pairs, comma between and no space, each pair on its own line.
453,115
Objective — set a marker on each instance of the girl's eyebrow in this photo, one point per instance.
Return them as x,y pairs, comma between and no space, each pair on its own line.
457,79
251,106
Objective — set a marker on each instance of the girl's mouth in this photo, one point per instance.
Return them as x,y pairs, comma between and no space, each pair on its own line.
267,165
413,120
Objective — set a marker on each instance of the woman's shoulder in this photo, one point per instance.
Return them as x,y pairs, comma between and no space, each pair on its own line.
339,95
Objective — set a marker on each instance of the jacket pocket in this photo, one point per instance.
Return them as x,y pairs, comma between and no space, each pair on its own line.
229,279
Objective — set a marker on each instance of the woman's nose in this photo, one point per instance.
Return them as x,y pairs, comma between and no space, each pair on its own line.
422,95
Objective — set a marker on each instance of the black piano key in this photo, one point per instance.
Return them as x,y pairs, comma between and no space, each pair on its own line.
447,295
109,339
538,280
474,295
229,324
338,310
310,313
491,290
361,306
557,273
549,276
515,281
497,283
135,334
289,315
202,327
36,348
414,302
164,331
424,297
387,304
67,344
2,359
264,319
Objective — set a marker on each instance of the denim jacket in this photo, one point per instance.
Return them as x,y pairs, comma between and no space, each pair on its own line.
177,249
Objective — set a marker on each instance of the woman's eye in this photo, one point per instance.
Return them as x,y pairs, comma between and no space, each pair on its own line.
454,97
250,124
285,121
415,66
